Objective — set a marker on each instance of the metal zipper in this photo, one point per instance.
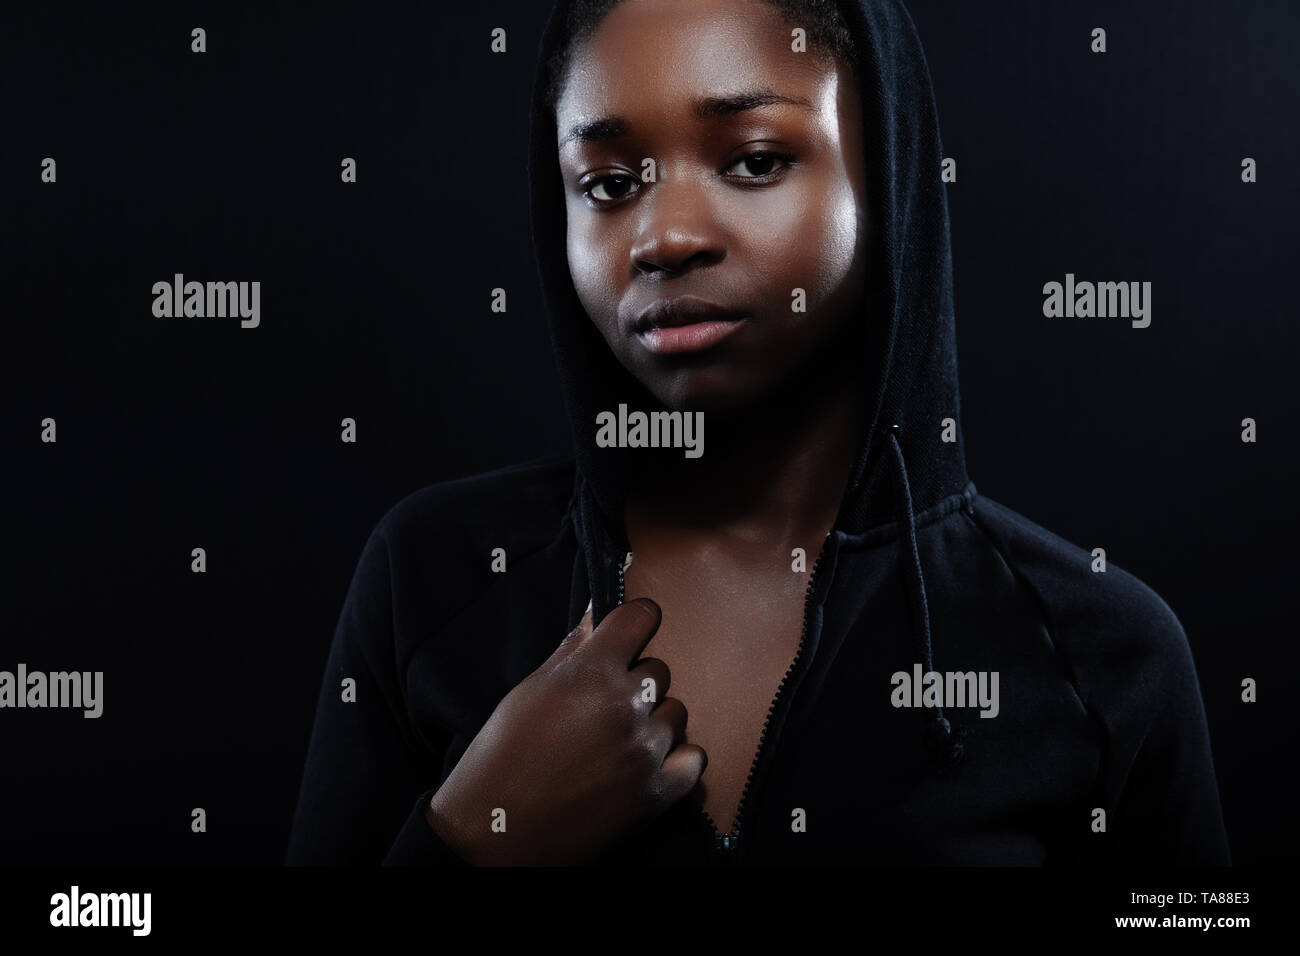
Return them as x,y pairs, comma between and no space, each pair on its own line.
727,845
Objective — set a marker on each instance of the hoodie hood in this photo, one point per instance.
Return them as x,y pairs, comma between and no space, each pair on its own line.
902,466
907,317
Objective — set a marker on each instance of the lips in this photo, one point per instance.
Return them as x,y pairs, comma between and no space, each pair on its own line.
682,310
686,323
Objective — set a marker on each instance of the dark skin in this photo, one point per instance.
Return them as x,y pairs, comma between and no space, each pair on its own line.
752,201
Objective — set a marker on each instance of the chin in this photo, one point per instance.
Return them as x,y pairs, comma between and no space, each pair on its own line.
710,393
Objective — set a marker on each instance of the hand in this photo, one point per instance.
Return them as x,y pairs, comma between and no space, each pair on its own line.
582,752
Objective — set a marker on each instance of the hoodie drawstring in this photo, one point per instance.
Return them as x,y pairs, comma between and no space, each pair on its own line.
944,743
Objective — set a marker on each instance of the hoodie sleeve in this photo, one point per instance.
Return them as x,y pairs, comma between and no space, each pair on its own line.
1164,792
368,775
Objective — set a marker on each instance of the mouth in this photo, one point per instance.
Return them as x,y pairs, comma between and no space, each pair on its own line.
685,323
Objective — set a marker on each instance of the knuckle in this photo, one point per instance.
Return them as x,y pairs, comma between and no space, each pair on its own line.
647,748
635,759
624,720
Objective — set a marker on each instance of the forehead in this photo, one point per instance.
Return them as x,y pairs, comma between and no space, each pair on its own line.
670,52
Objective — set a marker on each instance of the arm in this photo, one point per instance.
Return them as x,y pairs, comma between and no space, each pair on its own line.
368,776
1168,810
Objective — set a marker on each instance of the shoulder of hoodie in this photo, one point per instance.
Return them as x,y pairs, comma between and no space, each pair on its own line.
1123,647
440,538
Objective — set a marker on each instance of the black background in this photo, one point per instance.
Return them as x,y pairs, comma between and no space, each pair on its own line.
182,433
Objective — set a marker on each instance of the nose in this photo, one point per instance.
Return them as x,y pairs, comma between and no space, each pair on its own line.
678,229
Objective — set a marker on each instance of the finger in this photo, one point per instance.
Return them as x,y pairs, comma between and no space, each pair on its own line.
654,670
626,630
681,771
576,636
669,720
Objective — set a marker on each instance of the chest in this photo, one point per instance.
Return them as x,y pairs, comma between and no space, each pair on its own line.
729,635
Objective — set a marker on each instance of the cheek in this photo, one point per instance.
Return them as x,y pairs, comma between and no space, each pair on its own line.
804,239
593,257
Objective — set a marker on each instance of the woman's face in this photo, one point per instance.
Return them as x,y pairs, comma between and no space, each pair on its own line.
760,190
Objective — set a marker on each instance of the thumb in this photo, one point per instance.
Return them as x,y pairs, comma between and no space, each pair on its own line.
578,634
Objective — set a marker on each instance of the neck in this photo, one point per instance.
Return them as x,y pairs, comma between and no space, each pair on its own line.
776,472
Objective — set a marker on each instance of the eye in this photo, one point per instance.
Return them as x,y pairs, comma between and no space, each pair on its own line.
600,189
760,164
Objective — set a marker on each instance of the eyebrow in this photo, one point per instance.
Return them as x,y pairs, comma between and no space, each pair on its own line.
704,108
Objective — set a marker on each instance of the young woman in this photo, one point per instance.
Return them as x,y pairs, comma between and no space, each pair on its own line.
799,634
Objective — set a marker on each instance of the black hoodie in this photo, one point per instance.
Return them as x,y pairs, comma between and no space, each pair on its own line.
1099,749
